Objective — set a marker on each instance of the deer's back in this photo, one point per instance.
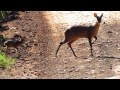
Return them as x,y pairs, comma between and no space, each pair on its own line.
79,31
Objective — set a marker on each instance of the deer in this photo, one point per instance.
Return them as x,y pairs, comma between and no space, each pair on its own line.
16,41
75,32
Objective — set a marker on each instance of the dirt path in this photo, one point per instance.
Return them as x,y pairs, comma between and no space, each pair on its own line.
44,32
33,61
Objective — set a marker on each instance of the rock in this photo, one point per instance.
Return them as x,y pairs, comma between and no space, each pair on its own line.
109,31
13,28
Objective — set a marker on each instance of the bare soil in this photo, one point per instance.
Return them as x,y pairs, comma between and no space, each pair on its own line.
44,31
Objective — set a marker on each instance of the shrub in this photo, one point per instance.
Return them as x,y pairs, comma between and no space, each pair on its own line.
6,62
3,14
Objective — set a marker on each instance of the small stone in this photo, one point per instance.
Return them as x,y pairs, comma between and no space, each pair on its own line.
13,28
109,31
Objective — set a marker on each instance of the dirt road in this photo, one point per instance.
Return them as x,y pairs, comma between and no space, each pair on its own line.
44,31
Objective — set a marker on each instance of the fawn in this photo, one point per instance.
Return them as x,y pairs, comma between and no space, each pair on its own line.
76,32
13,42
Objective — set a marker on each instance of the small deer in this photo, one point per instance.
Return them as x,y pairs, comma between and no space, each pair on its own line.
16,41
76,32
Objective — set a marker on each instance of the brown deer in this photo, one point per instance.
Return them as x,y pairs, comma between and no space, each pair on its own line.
76,32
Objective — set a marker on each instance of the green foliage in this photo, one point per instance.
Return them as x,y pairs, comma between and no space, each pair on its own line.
3,14
2,38
5,61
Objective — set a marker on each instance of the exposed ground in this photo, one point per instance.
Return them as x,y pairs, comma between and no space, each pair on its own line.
44,31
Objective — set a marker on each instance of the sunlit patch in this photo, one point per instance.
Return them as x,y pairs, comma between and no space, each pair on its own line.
59,21
117,70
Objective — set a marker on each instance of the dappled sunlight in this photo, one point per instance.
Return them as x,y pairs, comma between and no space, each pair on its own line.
92,67
46,30
61,20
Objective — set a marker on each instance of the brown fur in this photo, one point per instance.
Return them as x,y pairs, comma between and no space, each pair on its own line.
76,32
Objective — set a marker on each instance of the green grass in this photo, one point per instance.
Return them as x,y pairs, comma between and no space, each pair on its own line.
6,62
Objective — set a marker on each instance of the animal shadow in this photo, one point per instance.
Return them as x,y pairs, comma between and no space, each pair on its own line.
108,57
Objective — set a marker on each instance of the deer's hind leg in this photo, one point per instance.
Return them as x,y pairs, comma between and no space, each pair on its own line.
61,43
69,44
67,39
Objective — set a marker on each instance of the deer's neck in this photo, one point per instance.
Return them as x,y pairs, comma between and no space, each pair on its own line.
96,28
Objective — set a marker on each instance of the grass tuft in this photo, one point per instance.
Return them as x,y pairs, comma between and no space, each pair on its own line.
6,62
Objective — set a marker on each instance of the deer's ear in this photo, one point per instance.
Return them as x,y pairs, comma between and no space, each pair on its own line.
101,15
95,14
